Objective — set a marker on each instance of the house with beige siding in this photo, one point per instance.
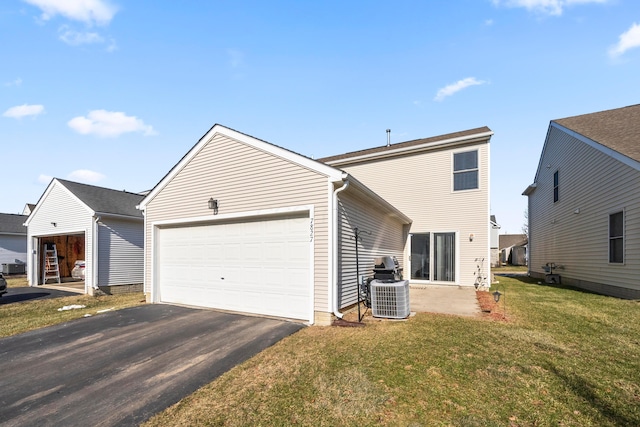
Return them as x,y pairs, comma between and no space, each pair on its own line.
442,184
97,225
243,225
584,203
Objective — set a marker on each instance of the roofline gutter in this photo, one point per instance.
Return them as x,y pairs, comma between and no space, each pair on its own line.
530,189
429,145
334,249
112,215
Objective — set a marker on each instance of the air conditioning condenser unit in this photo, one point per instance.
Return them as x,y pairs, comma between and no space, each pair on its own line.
390,299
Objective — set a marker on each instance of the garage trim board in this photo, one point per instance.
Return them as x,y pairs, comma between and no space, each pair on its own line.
256,262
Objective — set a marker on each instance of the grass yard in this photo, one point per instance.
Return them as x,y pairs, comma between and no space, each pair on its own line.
28,315
561,357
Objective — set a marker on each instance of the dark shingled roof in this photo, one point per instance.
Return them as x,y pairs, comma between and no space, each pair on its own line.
508,240
105,200
617,129
406,144
12,223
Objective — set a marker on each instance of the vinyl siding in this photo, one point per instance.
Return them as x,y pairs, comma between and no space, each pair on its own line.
421,186
120,251
13,249
379,235
596,185
243,179
70,216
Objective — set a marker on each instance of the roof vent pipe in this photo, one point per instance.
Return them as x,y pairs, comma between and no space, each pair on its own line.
388,137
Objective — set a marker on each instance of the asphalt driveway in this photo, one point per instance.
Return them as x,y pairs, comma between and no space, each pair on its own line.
122,367
28,293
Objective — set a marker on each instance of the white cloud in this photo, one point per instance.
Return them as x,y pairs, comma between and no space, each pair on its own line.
87,176
16,82
109,124
44,179
488,22
25,110
90,12
627,40
456,87
549,7
75,38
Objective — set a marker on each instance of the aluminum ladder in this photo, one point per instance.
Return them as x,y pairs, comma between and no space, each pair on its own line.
51,269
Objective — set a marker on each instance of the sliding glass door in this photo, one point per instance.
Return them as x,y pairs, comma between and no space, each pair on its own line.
433,256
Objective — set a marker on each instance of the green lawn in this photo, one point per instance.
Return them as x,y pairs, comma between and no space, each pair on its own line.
561,357
33,314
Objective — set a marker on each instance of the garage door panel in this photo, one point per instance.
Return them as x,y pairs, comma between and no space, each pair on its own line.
265,265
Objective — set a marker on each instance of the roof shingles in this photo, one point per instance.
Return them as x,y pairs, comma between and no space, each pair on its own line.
617,129
12,224
407,144
105,200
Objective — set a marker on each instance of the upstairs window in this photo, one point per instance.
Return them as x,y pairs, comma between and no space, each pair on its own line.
465,170
616,238
555,186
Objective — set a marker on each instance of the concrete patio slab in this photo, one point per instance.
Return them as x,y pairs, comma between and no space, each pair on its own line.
457,300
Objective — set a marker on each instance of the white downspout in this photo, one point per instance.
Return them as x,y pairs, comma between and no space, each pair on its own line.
94,255
334,252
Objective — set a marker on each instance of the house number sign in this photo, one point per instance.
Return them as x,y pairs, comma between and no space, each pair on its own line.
311,230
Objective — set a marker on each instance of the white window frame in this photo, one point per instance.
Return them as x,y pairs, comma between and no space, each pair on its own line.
432,258
454,172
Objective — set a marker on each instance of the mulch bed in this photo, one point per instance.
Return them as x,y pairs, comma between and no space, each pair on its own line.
490,309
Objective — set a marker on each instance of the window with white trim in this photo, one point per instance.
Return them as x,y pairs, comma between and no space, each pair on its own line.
555,187
616,238
465,170
433,256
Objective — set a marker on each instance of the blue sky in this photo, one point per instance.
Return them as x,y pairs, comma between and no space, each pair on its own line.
114,93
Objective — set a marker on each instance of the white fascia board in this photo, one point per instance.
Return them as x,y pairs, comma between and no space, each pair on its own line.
594,144
430,145
46,193
530,189
332,173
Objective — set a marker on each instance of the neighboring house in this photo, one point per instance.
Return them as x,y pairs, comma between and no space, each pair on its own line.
584,203
513,249
13,241
28,208
494,241
442,184
97,225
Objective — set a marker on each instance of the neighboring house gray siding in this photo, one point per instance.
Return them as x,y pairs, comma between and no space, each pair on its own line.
13,249
120,251
13,239
379,234
573,232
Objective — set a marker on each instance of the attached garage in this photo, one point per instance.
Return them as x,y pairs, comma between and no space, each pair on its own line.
258,265
243,225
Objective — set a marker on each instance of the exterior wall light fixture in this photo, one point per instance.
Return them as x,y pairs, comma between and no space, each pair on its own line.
213,205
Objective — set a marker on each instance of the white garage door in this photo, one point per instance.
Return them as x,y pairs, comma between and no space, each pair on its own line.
259,266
